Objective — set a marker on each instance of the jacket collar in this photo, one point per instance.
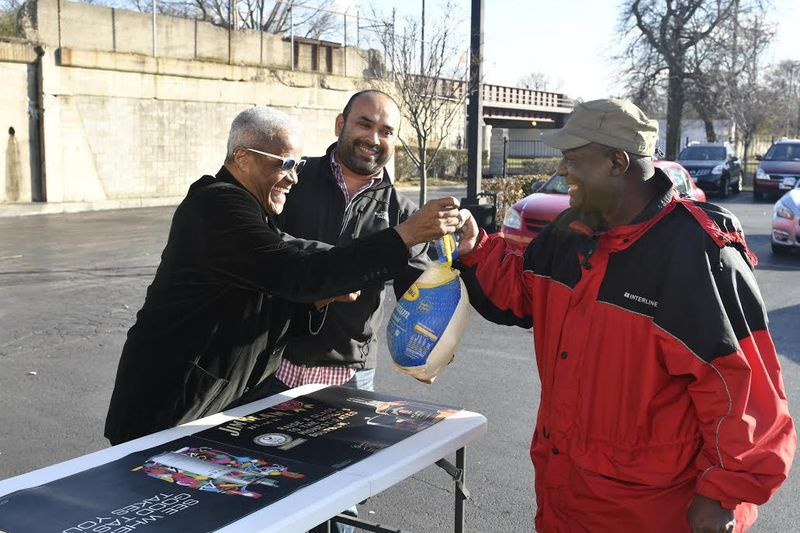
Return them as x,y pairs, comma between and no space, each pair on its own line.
663,197
224,175
621,237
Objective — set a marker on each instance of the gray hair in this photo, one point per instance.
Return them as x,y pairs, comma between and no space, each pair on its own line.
258,127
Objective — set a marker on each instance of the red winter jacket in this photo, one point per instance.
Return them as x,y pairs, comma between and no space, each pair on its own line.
658,374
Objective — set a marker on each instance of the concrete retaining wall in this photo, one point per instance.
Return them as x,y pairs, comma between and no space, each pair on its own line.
148,134
102,119
17,127
121,127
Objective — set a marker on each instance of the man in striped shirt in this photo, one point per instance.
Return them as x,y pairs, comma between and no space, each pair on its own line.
345,194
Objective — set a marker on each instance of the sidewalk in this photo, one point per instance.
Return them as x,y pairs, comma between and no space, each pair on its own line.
48,208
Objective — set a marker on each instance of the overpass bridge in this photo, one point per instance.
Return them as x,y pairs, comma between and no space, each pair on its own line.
518,108
517,117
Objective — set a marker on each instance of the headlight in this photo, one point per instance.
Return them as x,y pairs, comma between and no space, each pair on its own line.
761,175
717,170
512,219
783,212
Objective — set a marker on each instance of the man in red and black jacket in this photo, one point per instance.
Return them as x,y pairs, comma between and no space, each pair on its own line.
662,407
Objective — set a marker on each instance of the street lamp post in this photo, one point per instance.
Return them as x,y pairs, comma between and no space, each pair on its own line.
475,105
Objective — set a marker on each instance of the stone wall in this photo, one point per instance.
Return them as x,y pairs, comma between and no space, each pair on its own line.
17,111
90,27
104,120
121,127
147,127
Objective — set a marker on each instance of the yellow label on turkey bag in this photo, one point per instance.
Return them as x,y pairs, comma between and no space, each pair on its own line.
429,320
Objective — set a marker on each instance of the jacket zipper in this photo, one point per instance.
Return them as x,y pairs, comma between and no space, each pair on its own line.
347,211
344,221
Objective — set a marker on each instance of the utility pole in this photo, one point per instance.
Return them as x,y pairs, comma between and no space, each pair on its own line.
155,31
422,43
475,106
231,11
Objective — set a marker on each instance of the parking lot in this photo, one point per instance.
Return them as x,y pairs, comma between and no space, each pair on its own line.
70,287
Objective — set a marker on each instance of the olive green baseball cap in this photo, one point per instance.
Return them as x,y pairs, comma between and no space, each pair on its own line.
615,123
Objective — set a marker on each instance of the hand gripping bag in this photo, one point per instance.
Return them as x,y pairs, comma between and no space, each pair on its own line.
429,320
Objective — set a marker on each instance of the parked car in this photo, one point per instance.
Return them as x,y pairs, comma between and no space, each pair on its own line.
714,166
682,180
786,221
778,170
525,219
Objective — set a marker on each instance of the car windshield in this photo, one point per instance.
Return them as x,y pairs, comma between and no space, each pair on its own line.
703,153
556,184
678,180
783,152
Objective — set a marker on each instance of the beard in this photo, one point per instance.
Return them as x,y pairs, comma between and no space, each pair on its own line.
362,158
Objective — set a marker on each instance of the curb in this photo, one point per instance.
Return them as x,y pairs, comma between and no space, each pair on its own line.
55,208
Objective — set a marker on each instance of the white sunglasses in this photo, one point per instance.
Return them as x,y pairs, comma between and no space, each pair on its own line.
287,163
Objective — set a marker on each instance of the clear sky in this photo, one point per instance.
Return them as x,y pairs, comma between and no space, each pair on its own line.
571,41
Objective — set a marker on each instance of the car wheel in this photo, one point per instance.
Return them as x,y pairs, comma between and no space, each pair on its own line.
779,249
757,195
724,187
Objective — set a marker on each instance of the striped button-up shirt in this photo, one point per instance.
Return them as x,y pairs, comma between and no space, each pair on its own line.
294,375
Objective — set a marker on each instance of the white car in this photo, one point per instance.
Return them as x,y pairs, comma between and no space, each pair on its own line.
786,220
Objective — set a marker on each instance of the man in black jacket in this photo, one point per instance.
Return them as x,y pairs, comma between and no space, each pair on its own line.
214,321
346,194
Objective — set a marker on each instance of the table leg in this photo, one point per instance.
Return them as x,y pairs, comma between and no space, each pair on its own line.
460,496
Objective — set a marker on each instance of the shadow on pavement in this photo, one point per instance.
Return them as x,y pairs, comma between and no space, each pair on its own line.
785,320
767,260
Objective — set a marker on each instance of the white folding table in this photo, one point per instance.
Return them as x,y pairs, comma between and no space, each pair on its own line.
322,500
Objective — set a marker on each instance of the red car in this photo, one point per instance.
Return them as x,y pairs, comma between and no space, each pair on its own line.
526,218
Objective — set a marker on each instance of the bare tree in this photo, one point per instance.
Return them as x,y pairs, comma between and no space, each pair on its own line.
751,101
664,32
311,20
706,89
430,83
784,78
724,61
645,79
538,81
8,17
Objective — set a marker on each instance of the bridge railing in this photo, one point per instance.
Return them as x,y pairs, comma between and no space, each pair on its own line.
501,95
504,96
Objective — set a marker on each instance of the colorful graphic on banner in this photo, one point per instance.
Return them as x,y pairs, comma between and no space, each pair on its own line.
213,470
205,481
189,484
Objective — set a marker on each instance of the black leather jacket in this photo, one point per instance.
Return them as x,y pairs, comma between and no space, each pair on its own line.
216,315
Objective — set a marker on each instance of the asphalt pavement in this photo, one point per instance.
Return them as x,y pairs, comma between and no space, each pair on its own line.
70,286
